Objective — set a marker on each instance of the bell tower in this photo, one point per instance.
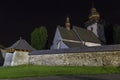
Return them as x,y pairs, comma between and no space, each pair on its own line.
94,15
94,25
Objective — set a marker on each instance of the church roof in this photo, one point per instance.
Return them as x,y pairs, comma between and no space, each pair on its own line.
86,35
21,45
65,34
77,34
72,44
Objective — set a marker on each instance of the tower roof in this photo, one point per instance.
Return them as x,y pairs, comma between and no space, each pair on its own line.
20,45
94,14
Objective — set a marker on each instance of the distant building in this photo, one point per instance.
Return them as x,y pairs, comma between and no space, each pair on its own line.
17,54
69,37
65,37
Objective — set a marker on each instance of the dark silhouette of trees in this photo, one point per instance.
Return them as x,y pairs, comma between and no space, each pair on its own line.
116,34
39,37
1,59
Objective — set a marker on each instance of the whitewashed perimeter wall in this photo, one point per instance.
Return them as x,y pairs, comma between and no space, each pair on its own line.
8,59
20,58
16,58
78,59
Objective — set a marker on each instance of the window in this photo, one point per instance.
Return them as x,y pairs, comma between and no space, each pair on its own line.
59,44
91,28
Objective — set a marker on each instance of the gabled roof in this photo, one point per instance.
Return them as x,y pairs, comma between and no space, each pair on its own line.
72,44
65,34
86,35
78,34
21,45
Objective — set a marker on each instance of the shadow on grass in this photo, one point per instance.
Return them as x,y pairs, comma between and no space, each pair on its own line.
87,78
60,78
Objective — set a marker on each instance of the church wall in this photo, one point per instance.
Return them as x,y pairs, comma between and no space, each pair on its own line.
111,58
57,38
93,28
19,58
8,59
63,45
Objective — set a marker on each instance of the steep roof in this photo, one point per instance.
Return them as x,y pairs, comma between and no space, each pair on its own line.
21,45
72,44
65,34
78,34
86,35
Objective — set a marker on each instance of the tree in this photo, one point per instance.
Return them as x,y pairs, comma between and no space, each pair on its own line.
109,33
116,34
1,59
39,37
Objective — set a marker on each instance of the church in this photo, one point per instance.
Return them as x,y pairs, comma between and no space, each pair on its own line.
74,36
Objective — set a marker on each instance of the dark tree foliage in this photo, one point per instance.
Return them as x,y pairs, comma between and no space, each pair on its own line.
1,59
39,37
109,33
116,34
108,30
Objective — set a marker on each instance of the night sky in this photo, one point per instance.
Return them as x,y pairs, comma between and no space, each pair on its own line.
19,18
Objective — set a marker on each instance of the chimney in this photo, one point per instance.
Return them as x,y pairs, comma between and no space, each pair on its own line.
67,24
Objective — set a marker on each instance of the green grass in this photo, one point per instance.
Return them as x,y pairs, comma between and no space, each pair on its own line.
36,71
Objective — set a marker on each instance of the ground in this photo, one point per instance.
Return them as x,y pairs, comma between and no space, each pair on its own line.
81,77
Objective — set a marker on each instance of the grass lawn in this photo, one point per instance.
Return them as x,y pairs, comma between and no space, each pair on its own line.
36,71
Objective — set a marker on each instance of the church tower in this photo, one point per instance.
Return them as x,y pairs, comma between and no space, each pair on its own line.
94,25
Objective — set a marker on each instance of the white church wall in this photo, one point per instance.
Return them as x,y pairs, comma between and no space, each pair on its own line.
63,45
93,28
20,58
8,59
56,40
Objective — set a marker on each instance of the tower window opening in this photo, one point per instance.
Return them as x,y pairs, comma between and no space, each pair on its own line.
91,28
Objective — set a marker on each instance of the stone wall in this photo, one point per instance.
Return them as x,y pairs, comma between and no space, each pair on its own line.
16,58
19,58
111,58
8,59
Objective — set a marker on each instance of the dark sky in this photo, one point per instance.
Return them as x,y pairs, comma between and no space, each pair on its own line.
19,18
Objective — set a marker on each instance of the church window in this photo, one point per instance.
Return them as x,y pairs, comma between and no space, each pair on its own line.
58,44
91,28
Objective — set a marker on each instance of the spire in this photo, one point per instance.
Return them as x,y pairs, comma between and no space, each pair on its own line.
94,15
67,24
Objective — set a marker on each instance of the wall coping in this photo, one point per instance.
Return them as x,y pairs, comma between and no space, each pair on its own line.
82,49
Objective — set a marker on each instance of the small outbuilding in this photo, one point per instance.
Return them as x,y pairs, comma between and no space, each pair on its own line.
17,54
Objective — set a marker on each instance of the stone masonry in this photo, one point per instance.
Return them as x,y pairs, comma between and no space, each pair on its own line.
107,58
